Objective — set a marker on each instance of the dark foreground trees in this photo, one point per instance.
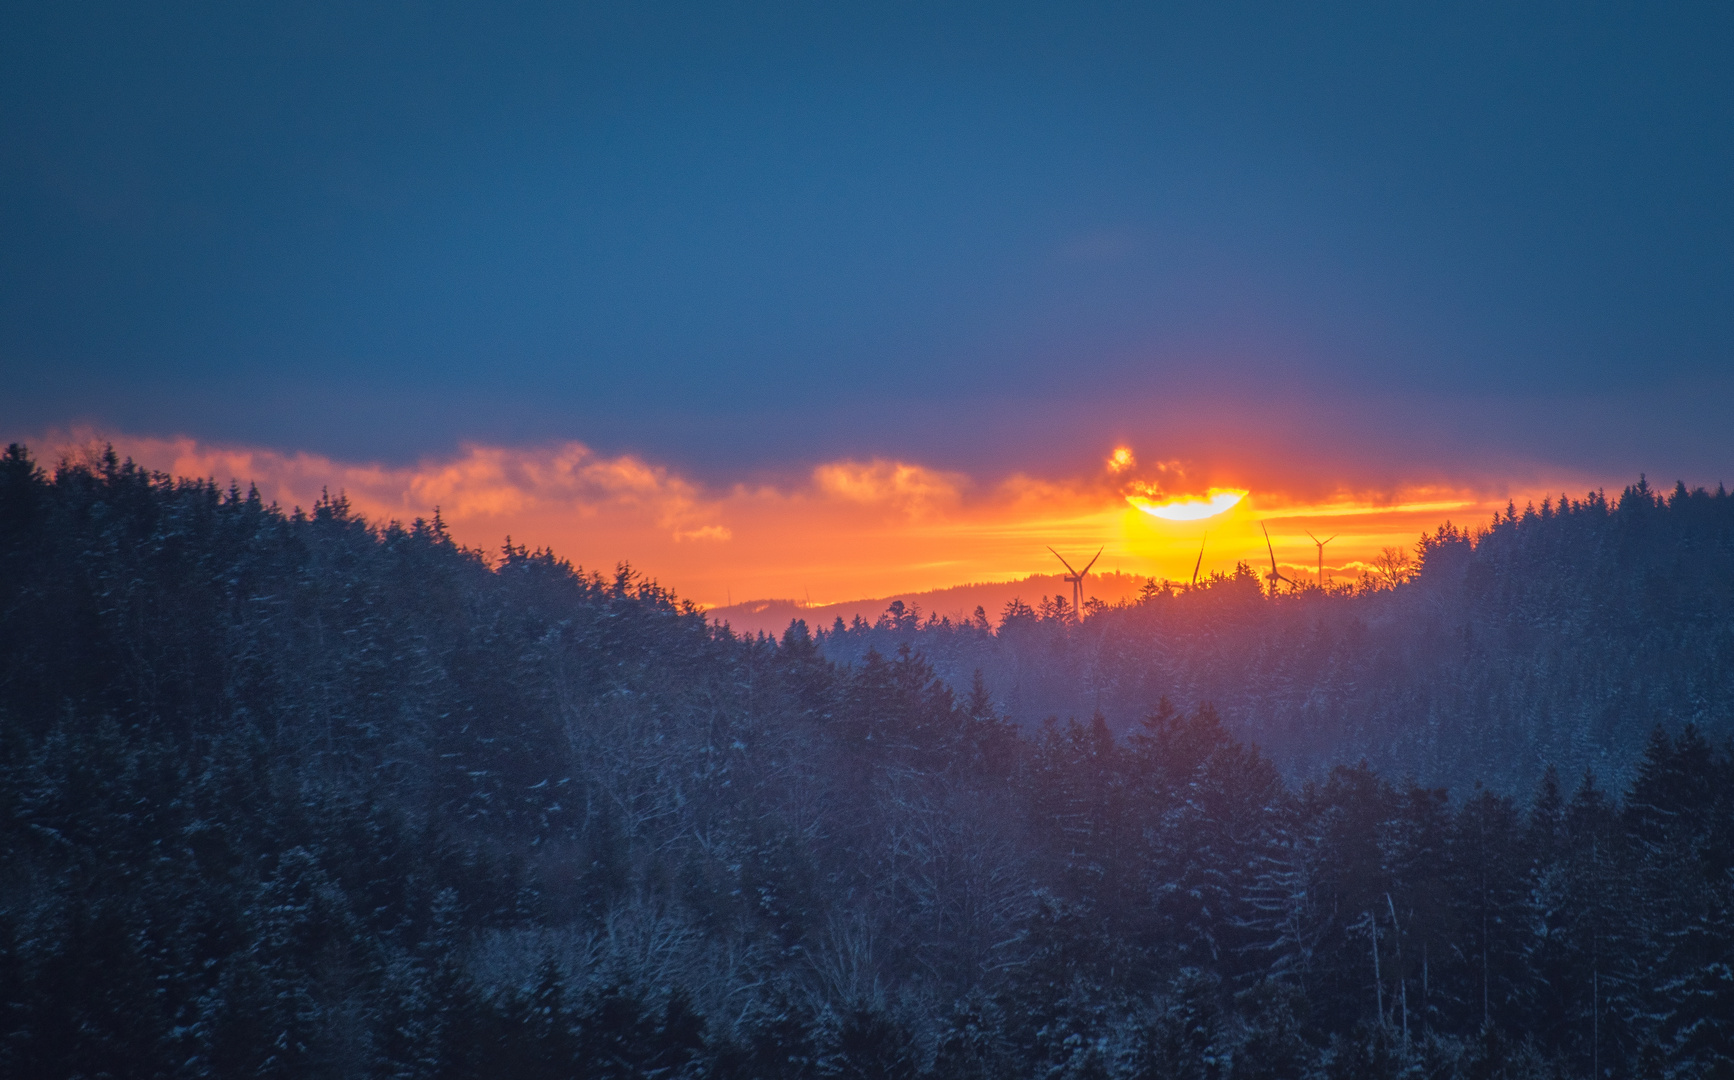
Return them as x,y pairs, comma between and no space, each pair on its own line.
291,795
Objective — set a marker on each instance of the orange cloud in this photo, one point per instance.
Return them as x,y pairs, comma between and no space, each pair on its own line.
706,532
895,483
844,530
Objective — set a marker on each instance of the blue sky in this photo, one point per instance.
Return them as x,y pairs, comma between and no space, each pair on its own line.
1408,238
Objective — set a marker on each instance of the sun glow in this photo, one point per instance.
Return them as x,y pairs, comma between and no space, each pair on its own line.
839,530
1189,507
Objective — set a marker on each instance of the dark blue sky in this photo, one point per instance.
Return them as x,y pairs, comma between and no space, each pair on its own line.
984,236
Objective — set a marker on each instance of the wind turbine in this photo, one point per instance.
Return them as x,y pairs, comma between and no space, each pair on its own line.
1200,561
1275,575
1321,544
1077,579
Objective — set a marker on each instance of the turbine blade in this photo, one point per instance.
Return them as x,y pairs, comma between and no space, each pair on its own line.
1268,548
1063,561
1200,561
1092,561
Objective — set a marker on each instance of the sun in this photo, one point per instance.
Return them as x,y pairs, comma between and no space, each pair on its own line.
1190,507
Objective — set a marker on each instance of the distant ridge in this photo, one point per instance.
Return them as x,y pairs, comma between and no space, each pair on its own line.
957,603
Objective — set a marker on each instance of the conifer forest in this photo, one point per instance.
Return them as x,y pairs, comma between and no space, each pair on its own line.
299,794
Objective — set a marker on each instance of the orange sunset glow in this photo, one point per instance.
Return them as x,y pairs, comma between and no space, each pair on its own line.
844,530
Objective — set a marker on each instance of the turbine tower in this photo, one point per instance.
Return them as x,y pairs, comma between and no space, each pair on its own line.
1321,544
1076,577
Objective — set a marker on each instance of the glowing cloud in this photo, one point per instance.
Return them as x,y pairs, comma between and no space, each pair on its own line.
896,483
1188,507
706,532
835,531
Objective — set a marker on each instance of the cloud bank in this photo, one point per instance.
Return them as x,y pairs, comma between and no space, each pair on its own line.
841,530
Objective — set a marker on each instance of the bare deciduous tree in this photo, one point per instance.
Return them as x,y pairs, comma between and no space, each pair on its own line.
1393,566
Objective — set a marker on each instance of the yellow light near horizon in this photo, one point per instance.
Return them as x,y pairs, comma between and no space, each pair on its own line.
1189,507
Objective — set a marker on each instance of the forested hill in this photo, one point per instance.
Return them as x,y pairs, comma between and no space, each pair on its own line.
1560,634
297,795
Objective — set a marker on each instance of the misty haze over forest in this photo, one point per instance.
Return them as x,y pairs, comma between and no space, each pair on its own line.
297,794
1556,635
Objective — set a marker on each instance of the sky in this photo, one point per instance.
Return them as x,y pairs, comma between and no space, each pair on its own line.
840,300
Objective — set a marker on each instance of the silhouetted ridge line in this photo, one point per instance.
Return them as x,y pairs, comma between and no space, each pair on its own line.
1557,633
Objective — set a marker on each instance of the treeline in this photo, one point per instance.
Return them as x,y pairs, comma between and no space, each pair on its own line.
1557,635
297,795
